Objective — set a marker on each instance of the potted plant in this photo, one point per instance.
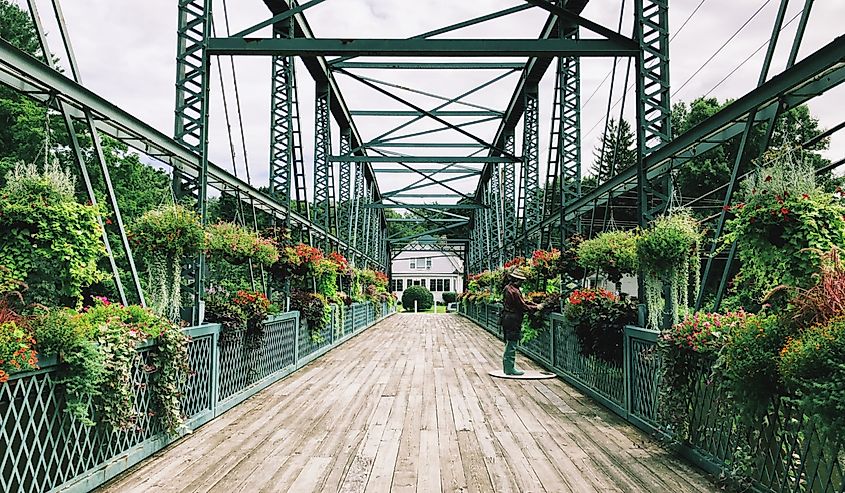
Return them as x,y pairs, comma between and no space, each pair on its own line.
669,251
611,252
163,238
238,245
599,317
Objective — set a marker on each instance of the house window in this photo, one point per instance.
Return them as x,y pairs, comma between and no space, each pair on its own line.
447,285
432,285
422,263
413,263
428,262
396,285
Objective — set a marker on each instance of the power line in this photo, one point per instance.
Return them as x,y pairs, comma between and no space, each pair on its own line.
724,45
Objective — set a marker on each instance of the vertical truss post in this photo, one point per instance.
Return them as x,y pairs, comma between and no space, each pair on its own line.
287,168
570,140
193,24
356,227
495,201
486,227
530,202
345,188
654,123
509,202
191,122
324,211
364,243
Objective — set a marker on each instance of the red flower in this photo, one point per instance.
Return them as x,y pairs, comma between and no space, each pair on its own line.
768,179
805,196
726,208
784,211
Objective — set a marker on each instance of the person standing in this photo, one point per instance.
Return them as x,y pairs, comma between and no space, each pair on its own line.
513,312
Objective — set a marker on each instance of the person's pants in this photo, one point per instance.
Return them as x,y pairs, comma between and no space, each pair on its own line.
509,358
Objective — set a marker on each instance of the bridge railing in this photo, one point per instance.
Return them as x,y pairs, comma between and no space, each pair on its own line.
783,451
43,449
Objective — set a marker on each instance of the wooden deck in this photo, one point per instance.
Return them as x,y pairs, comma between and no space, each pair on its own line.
408,406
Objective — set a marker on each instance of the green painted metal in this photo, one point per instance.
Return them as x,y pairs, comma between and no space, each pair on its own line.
43,449
416,171
417,113
29,75
278,19
423,159
424,206
287,168
509,199
430,65
423,145
325,213
345,188
530,191
651,28
311,47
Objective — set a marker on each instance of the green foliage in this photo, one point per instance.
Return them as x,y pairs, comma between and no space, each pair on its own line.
688,351
599,318
616,151
71,337
50,242
784,220
748,363
238,245
450,297
419,294
163,237
97,351
670,251
813,366
314,309
612,252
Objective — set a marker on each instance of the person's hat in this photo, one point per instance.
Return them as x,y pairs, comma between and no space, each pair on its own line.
517,275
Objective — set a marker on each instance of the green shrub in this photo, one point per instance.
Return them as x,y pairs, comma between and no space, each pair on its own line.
450,297
599,318
813,365
421,295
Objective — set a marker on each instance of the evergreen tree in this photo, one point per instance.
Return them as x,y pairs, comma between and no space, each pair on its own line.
616,151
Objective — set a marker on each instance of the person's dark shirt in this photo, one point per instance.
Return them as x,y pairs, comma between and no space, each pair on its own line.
513,300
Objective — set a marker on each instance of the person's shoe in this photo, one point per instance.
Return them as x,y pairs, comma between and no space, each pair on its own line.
515,371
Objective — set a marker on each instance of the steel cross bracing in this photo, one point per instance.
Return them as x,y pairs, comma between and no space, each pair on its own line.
345,189
530,199
509,200
654,109
191,113
287,168
324,198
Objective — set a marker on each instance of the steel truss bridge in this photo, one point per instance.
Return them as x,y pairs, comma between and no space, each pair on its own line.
512,210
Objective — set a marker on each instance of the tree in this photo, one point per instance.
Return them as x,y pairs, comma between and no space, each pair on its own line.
616,151
712,169
17,28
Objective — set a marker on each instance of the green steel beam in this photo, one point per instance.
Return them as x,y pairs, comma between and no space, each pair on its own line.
534,70
381,140
422,159
324,203
530,199
420,195
417,171
420,220
276,19
418,113
509,196
437,207
423,145
430,65
319,70
345,188
420,47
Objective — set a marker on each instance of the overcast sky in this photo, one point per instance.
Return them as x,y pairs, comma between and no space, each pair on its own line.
126,51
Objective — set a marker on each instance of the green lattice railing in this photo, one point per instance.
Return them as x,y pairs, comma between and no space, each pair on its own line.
783,452
43,449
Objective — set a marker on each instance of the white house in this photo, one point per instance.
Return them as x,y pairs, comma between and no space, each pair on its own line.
439,271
